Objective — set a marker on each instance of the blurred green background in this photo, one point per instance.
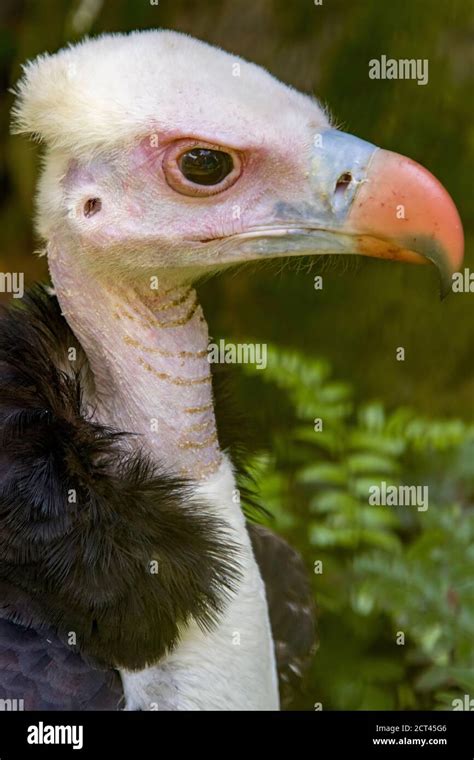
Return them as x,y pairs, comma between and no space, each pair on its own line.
333,355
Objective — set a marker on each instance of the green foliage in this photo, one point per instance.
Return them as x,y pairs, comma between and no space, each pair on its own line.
323,50
386,571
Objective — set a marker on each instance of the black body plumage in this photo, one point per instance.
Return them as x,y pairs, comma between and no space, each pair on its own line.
81,526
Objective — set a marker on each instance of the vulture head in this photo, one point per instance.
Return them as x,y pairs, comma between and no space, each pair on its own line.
166,159
167,154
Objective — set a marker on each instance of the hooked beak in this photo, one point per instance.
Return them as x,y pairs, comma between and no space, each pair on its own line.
364,200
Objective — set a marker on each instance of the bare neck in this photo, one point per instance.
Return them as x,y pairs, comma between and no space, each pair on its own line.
148,354
147,350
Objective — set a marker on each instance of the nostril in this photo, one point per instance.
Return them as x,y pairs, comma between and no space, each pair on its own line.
343,182
92,206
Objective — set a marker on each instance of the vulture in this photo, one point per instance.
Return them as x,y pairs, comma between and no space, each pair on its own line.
130,577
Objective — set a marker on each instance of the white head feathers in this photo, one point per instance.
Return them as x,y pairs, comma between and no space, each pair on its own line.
106,91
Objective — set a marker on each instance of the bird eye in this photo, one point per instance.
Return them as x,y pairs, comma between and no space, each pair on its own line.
200,169
206,167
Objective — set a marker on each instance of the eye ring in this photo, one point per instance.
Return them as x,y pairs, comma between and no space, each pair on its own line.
217,166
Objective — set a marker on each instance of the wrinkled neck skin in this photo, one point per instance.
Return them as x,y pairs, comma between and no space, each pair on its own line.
147,350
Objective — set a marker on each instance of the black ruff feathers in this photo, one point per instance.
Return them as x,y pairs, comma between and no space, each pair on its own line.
83,528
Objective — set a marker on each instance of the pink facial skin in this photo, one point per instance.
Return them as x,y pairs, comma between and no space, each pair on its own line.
144,204
133,219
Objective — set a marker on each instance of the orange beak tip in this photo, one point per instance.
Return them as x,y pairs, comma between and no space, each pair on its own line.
409,213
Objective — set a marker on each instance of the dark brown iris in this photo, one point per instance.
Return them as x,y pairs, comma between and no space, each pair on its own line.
205,167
